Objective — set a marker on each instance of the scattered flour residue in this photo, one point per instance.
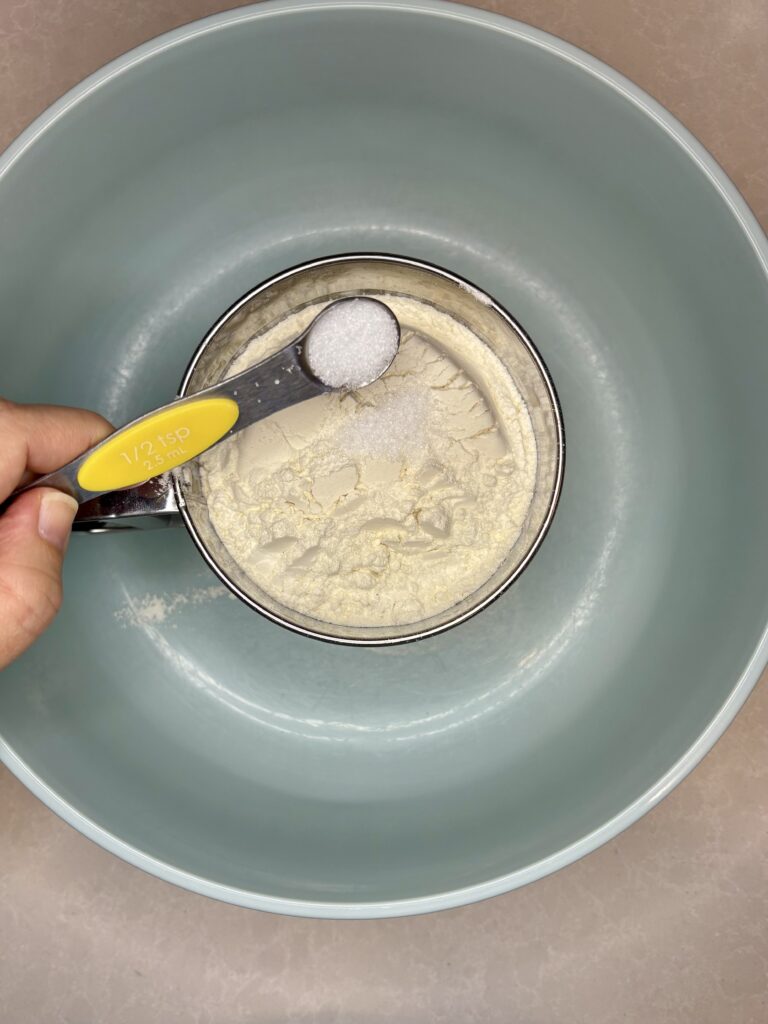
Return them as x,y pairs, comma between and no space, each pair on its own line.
154,609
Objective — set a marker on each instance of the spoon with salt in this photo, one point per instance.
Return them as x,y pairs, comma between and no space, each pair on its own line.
348,345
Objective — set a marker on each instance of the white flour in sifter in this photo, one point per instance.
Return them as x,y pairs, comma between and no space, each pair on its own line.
386,505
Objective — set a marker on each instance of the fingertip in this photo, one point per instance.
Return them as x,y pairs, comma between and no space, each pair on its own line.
33,537
55,515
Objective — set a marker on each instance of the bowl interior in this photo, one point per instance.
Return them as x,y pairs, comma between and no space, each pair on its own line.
218,749
342,277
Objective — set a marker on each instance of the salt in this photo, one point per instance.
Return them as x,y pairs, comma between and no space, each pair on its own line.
392,429
352,343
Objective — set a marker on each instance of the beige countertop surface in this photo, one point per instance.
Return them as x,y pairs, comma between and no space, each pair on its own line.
667,924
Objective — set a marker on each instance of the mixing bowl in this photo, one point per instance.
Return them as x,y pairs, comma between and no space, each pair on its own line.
210,746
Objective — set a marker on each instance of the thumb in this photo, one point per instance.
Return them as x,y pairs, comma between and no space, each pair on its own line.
34,534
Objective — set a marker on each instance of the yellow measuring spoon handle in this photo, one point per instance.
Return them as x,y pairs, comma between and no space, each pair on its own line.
175,433
156,443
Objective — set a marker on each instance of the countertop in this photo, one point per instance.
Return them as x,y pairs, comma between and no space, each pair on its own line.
667,924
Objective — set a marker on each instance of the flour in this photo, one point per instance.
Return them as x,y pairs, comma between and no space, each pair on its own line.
387,505
155,609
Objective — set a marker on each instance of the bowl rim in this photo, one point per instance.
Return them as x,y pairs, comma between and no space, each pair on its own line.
745,219
411,632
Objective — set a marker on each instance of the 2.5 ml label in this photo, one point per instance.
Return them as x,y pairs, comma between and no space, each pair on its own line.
154,453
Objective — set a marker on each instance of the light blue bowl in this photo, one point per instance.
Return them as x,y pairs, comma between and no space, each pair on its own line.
213,748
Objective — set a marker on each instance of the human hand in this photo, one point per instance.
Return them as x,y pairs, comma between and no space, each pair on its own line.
34,531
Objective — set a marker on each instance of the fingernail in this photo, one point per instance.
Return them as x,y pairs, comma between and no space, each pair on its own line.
57,510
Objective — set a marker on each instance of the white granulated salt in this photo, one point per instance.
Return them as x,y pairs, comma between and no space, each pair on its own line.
352,343
391,428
